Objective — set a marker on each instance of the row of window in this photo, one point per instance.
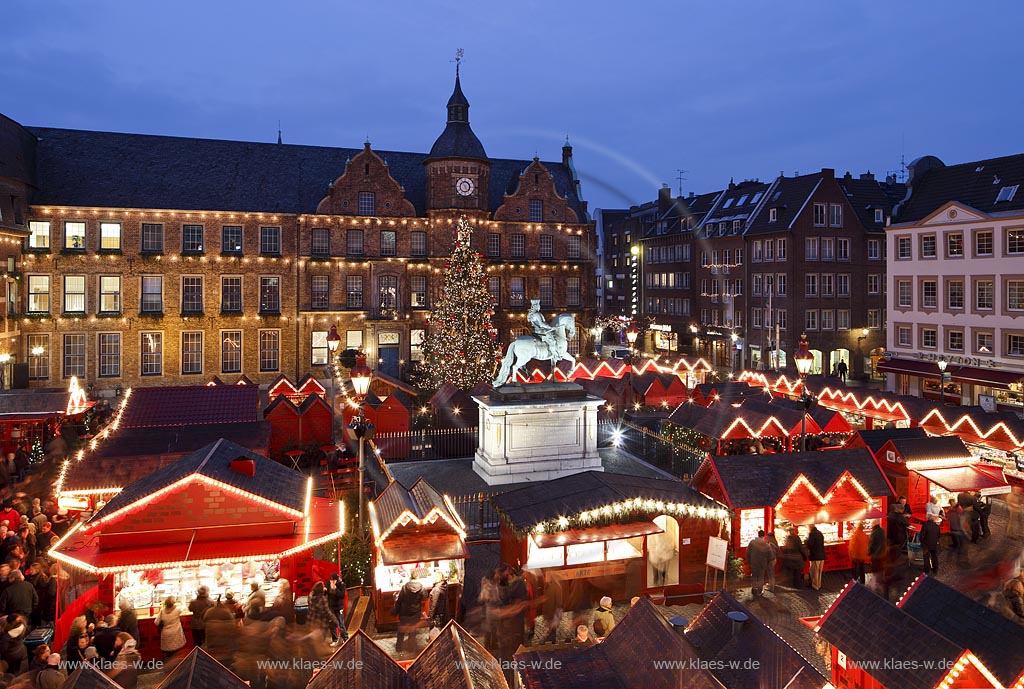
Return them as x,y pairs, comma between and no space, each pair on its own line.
728,318
677,280
151,298
545,290
983,244
668,306
733,288
983,340
814,319
725,259
517,245
151,237
830,212
74,353
983,294
675,253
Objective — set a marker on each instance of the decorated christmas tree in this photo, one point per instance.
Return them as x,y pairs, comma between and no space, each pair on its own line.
460,345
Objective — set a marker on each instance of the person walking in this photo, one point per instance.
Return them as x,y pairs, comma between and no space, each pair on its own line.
858,551
957,519
761,561
1013,592
336,600
52,677
876,554
842,369
172,634
984,509
198,607
773,543
320,616
437,612
930,544
256,601
793,558
604,621
409,610
490,600
553,607
896,543
125,669
816,554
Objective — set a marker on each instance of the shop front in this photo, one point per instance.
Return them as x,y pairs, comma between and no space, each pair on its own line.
834,491
416,532
221,517
606,534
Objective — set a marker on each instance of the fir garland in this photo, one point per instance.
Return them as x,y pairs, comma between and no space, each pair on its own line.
621,512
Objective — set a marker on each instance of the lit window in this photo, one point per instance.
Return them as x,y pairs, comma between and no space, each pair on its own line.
110,294
231,351
270,346
231,239
388,243
984,343
354,291
39,293
152,354
319,351
418,290
74,294
38,364
110,236
270,295
1015,241
191,353
109,363
74,236
954,245
39,235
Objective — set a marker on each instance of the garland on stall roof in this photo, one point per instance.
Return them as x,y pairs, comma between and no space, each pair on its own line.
617,513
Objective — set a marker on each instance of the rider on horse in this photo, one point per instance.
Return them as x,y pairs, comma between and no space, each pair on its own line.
541,329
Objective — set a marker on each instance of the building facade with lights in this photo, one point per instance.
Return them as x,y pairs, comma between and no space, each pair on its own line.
162,260
956,284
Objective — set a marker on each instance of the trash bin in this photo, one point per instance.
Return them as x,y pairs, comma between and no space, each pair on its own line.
301,609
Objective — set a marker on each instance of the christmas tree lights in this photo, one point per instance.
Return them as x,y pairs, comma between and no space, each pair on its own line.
461,345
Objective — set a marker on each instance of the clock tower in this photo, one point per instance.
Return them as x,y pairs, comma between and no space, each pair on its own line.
457,169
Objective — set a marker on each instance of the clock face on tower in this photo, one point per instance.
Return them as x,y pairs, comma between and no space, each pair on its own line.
465,186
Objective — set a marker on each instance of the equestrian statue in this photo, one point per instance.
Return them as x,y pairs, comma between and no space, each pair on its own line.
550,341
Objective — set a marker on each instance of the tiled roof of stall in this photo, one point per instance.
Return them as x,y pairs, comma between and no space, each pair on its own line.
191,405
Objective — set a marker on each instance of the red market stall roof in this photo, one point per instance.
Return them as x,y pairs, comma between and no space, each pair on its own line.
870,631
1000,430
874,439
34,405
191,405
789,417
398,507
225,469
931,452
986,478
359,664
295,392
803,485
994,639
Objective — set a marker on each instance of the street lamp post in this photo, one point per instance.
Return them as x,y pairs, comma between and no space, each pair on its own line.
596,332
804,360
860,350
631,334
361,428
333,342
942,364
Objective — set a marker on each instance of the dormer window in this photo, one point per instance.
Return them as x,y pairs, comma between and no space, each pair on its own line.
773,214
1006,194
879,215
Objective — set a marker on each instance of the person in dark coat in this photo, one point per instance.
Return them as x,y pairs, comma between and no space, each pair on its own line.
105,640
793,558
12,646
408,608
984,509
221,632
336,599
438,612
127,620
319,616
125,670
974,520
816,554
20,597
930,545
760,558
876,553
198,607
896,539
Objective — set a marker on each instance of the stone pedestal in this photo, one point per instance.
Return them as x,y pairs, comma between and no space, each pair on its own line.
536,432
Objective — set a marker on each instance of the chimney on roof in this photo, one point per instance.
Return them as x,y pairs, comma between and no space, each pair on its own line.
738,620
692,195
867,176
732,184
848,176
244,465
828,173
664,196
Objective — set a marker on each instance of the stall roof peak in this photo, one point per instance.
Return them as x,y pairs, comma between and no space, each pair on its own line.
360,664
200,670
420,501
89,677
271,481
455,660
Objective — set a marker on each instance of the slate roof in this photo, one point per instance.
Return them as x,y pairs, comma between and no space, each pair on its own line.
152,448
762,480
191,405
88,677
975,184
715,640
115,170
272,480
199,670
788,196
874,439
16,402
535,503
866,627
867,195
997,641
939,447
623,661
359,664
419,500
727,208
455,660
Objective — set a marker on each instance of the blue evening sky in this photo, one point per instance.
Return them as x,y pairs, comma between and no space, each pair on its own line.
720,88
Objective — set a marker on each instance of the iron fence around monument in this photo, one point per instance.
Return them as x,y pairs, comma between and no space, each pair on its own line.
478,514
650,446
426,444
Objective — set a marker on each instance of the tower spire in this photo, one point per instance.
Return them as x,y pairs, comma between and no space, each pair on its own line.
279,131
458,106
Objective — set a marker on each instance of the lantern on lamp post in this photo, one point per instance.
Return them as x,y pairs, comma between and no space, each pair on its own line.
942,364
361,429
333,342
631,334
804,360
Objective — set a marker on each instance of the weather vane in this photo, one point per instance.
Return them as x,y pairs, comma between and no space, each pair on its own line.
458,59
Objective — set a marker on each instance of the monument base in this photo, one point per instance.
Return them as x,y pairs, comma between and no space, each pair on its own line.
536,432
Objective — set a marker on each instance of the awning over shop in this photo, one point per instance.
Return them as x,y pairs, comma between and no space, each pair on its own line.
596,534
992,377
968,478
924,369
410,548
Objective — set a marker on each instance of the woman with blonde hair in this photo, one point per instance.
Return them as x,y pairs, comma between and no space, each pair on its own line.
172,634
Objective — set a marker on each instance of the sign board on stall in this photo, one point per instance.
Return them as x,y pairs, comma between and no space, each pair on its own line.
601,569
718,549
987,402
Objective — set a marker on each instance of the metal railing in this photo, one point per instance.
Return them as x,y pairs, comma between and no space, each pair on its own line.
478,514
430,443
677,459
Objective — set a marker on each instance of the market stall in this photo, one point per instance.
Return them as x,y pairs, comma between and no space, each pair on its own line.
415,530
833,490
609,534
221,517
940,467
30,418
